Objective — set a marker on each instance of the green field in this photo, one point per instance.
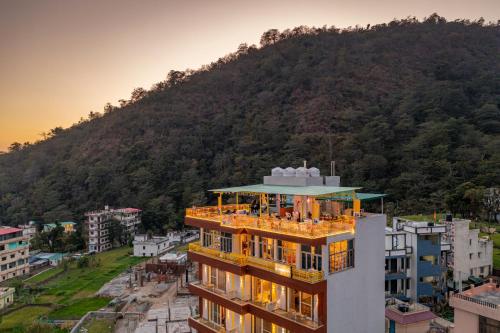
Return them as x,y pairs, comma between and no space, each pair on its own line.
23,316
72,292
100,326
43,276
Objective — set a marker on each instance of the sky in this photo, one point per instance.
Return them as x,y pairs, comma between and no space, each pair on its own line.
61,59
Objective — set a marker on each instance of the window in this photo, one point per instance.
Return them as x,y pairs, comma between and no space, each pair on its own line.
286,252
306,304
216,314
306,257
470,256
226,242
487,325
341,255
217,278
431,259
252,246
221,280
470,242
266,248
479,254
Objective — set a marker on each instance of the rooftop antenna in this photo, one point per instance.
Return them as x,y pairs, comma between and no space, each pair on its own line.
332,168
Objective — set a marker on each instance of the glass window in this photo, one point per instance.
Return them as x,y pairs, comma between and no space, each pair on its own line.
305,256
266,248
306,304
226,242
487,325
341,255
213,276
286,252
221,280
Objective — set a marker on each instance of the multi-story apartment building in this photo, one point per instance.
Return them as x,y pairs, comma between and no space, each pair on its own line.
416,261
397,264
14,253
470,254
99,222
29,229
303,257
477,310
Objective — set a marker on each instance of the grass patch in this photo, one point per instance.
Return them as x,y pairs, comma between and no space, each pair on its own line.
72,291
79,308
43,276
25,315
100,326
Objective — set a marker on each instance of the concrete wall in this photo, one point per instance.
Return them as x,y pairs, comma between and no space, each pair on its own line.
466,249
466,322
356,302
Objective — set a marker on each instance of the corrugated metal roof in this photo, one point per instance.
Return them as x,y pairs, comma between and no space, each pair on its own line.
8,230
287,190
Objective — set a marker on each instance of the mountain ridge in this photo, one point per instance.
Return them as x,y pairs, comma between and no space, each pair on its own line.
409,108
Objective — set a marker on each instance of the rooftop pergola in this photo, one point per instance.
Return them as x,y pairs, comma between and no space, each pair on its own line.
329,193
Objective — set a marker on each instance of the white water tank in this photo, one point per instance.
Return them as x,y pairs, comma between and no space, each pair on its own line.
314,172
301,172
289,172
277,172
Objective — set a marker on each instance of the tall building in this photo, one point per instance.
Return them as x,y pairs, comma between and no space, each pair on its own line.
477,310
415,263
99,223
29,229
301,257
14,253
470,254
397,264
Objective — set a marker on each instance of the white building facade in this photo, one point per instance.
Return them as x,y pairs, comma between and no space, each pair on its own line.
470,254
99,222
146,246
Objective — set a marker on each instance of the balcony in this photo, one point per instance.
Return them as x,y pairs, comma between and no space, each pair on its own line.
242,306
204,326
233,216
286,270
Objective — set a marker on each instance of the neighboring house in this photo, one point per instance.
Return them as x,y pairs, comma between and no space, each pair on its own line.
470,254
311,267
6,297
402,317
397,264
150,246
52,259
29,230
477,310
68,226
98,223
175,258
14,253
416,261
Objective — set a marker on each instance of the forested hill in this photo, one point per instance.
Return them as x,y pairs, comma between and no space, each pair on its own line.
408,108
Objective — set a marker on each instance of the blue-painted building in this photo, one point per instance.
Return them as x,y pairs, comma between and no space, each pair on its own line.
415,261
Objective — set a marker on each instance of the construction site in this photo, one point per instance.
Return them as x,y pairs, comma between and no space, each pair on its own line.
149,298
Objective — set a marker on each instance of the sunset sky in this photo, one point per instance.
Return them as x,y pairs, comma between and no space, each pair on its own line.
61,59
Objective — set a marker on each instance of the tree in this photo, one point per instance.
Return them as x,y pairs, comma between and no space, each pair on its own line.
491,202
15,146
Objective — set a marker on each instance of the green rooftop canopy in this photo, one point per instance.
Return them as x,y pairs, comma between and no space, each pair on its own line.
360,196
288,190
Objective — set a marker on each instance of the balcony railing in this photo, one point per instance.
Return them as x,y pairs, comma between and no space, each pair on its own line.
275,267
308,228
234,296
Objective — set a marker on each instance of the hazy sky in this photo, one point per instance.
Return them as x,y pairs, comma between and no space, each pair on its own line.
61,59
